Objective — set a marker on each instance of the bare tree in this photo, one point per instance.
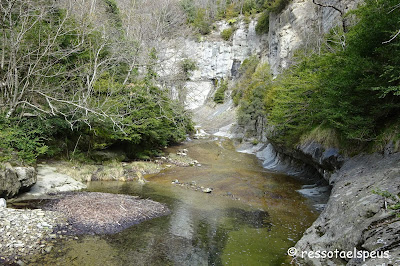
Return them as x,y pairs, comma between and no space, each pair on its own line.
35,49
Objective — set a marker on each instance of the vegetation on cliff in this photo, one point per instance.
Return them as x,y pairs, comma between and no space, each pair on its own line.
349,88
202,14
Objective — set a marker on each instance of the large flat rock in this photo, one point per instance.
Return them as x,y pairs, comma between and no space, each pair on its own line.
357,218
49,181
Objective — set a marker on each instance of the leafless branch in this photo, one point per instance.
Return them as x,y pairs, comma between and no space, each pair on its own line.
335,8
391,39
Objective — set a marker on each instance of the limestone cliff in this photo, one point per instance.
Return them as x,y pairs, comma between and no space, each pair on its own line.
215,59
302,24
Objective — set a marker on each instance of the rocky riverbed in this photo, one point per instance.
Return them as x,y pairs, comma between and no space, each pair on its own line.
26,232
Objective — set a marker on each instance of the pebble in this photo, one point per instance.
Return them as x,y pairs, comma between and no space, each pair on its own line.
25,232
207,190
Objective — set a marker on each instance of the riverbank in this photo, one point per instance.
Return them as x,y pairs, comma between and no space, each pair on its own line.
355,216
359,214
202,228
26,232
65,214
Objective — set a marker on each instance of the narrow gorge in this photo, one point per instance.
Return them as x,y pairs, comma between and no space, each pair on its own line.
355,217
203,132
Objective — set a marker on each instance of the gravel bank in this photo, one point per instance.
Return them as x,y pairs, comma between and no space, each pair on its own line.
27,232
105,213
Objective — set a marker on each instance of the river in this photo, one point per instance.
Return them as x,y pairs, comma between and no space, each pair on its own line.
251,217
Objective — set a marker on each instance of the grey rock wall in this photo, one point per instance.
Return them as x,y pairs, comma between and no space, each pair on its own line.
355,217
301,24
215,59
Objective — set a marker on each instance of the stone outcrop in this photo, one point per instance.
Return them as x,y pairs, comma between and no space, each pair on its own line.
214,57
355,217
325,161
14,180
50,181
301,24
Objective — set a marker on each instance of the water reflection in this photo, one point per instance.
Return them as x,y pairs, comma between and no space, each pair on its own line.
202,229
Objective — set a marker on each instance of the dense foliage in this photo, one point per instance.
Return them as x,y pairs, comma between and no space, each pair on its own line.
65,86
250,93
226,34
202,14
219,95
350,89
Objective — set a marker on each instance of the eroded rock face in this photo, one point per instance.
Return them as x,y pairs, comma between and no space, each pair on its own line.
214,57
14,180
355,217
301,24
325,161
26,176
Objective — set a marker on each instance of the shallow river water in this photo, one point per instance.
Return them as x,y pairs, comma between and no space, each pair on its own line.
251,218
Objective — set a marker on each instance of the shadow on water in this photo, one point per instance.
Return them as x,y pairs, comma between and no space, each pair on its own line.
251,218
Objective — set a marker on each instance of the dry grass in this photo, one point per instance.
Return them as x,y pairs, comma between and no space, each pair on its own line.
327,137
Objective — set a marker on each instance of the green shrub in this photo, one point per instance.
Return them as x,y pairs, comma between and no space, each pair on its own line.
276,6
219,95
255,142
394,199
201,22
23,140
246,72
263,23
231,11
226,34
187,67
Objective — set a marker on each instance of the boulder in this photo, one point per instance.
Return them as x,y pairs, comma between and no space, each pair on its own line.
16,180
50,181
3,203
26,176
207,190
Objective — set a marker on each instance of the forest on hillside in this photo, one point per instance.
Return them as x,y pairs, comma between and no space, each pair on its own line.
343,92
81,76
78,76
